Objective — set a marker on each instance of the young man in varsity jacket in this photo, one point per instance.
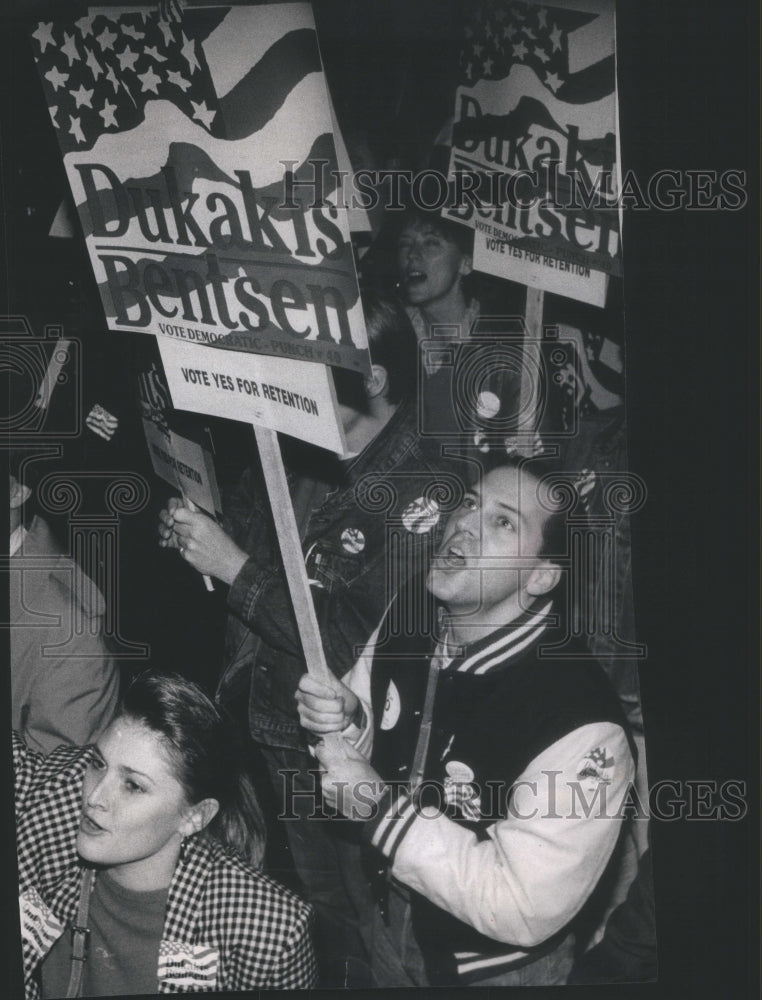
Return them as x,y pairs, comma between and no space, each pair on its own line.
489,773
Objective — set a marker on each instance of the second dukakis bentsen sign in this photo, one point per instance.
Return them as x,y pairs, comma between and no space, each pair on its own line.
189,146
534,144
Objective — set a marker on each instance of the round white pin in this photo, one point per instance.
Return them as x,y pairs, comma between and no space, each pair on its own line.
352,540
421,515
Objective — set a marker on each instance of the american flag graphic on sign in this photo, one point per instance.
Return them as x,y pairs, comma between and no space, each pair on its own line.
535,131
104,71
502,36
200,154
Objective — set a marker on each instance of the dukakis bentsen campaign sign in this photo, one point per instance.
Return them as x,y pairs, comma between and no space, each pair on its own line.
534,143
190,146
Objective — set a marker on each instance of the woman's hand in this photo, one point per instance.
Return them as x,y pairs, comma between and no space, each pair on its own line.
167,537
201,541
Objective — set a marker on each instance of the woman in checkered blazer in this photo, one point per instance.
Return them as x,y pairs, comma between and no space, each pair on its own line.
145,847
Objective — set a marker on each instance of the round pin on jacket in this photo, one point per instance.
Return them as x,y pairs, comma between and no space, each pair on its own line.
487,404
352,540
459,771
421,515
392,707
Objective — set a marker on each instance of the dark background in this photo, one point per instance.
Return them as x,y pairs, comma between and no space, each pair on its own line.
689,96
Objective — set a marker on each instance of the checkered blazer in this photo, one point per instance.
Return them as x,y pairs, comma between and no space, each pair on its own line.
227,926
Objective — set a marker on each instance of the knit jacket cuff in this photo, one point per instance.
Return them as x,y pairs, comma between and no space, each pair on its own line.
395,814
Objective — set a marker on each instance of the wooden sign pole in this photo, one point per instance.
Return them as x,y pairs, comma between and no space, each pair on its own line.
293,563
531,368
291,550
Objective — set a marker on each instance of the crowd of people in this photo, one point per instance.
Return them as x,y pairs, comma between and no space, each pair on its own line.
196,811
448,808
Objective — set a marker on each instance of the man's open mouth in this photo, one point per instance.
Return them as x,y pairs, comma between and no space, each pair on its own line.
452,556
414,277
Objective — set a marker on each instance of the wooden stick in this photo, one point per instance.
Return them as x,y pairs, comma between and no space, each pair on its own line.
291,550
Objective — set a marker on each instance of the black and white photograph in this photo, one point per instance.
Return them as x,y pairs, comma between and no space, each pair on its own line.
380,412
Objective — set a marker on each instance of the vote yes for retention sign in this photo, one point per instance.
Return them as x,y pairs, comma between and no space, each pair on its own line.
189,145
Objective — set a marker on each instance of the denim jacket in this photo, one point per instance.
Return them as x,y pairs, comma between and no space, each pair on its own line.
369,534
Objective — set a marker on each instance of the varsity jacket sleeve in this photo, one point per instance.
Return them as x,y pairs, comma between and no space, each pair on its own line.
537,866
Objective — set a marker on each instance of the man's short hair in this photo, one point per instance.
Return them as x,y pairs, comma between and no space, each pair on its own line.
554,538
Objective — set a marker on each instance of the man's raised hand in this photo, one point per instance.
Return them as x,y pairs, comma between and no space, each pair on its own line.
324,709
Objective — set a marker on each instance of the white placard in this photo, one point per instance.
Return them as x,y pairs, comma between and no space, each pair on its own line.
292,397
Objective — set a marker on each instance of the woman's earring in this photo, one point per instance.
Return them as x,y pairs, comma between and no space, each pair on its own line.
183,851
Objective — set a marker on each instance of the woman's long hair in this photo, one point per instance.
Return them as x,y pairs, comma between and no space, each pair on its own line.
206,754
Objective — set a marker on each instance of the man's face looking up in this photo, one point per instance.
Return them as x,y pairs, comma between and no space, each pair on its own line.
488,566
